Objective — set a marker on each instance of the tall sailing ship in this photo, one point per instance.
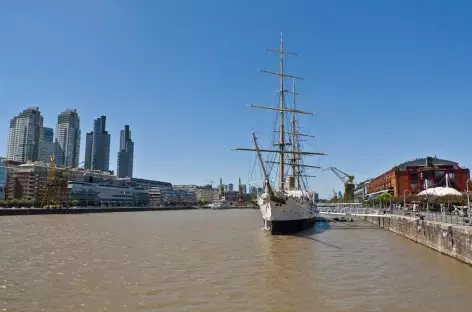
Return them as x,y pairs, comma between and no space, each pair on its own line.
289,208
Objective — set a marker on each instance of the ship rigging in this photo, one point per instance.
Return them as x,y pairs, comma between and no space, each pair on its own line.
294,161
286,208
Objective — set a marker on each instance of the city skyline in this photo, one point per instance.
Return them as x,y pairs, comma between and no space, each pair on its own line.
183,71
66,146
30,140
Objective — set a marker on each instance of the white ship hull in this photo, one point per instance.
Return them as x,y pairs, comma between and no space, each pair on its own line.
295,215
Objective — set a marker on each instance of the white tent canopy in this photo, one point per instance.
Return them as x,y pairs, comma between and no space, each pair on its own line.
440,191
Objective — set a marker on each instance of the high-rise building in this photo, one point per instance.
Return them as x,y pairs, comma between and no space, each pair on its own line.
88,150
230,187
3,178
97,146
125,154
244,189
46,144
67,143
24,135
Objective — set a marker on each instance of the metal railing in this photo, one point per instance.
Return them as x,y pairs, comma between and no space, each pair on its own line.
445,217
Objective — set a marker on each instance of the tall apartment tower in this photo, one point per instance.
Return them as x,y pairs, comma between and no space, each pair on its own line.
46,144
67,142
125,154
97,146
24,136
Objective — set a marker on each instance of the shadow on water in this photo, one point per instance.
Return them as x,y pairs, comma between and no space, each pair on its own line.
319,228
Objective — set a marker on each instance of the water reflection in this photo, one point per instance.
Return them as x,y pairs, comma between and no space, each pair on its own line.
289,263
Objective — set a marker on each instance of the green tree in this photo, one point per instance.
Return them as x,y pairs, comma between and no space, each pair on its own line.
75,203
385,197
2,203
202,201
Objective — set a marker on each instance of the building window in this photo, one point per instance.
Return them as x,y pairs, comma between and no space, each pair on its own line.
413,181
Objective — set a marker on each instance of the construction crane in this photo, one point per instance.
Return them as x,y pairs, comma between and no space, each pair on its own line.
348,181
335,197
55,187
240,194
55,194
211,183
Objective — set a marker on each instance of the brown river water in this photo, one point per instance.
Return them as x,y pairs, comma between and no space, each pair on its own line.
218,261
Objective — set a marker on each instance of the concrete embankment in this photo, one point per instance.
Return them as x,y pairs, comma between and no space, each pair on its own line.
43,211
450,239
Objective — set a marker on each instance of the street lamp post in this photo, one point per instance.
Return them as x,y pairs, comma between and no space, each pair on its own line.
468,201
468,197
404,197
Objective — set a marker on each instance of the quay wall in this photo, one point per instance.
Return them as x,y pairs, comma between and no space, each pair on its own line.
450,239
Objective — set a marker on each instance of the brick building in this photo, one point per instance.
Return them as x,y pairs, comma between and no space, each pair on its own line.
26,181
414,176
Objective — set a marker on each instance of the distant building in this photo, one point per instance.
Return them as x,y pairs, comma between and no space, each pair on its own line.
24,136
155,198
145,183
125,154
411,177
360,191
3,178
91,176
67,142
26,181
97,146
46,144
244,189
207,193
175,196
232,195
230,187
91,194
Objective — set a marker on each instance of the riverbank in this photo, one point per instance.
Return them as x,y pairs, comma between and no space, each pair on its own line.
81,210
450,239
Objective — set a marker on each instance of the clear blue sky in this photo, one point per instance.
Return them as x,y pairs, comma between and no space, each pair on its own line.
388,80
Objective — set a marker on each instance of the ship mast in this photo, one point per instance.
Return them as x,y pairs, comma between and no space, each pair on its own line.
293,130
281,110
281,115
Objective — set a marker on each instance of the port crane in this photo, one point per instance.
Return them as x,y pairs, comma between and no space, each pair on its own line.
55,194
347,180
335,197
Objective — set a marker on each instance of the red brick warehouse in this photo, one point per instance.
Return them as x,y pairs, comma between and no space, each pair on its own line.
411,177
